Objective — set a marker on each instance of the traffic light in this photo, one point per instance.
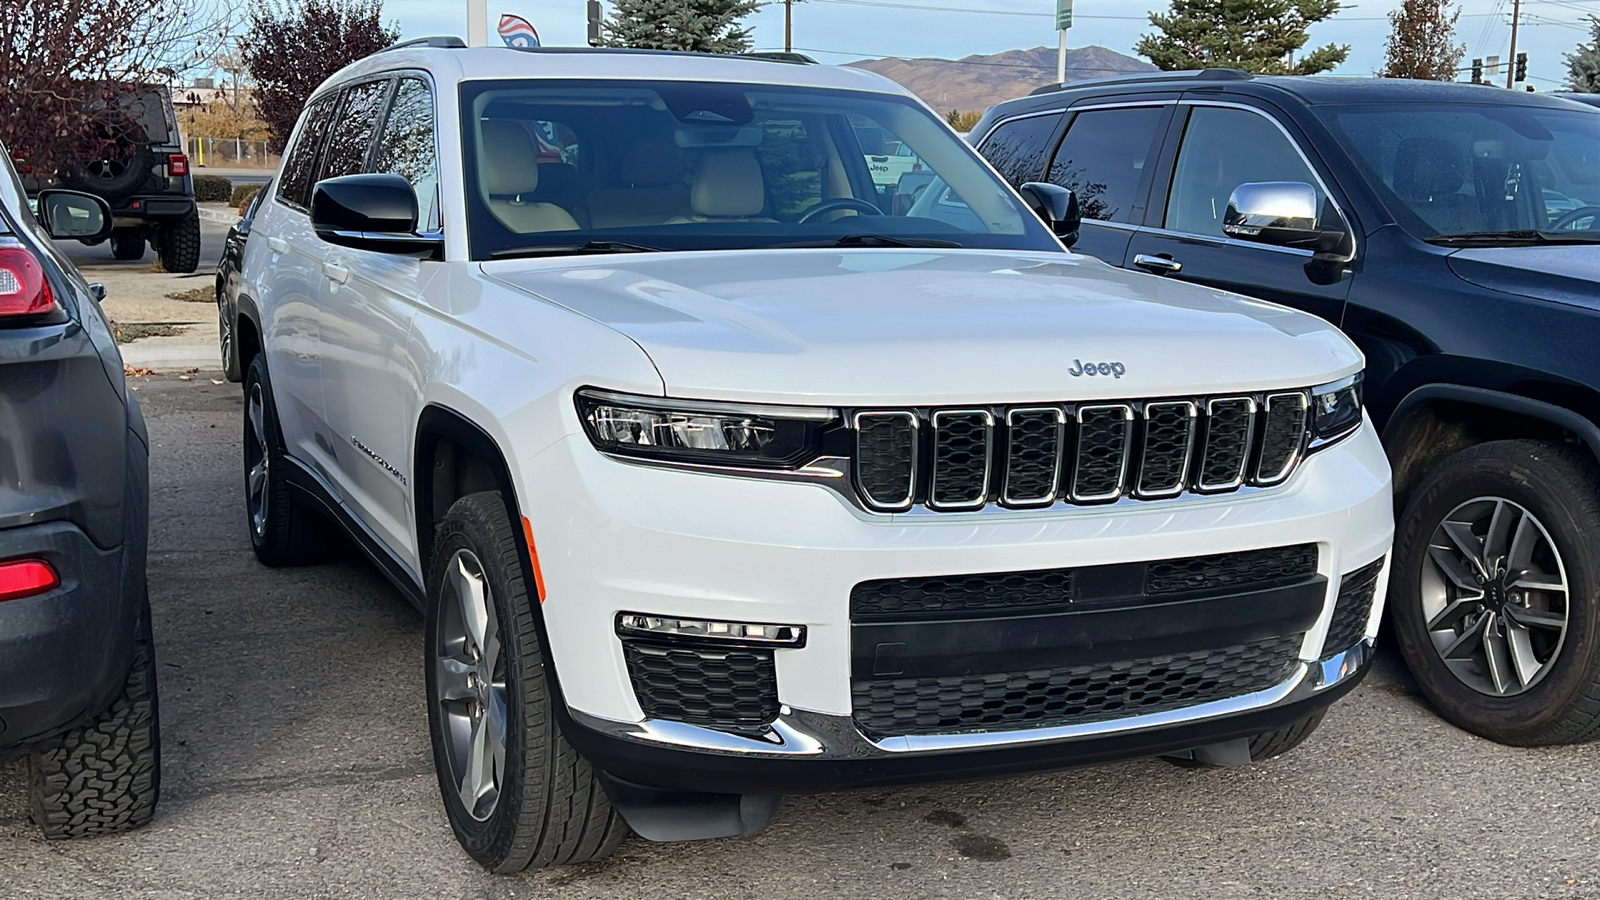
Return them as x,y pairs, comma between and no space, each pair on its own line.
1521,72
1477,71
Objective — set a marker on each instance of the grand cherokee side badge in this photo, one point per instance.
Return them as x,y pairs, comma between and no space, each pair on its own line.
377,459
1079,368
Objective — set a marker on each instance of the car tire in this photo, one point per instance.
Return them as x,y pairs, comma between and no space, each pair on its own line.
1264,746
1520,664
537,803
283,532
227,343
127,245
180,244
104,776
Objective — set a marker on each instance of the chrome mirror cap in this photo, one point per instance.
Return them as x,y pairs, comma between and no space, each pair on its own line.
1272,212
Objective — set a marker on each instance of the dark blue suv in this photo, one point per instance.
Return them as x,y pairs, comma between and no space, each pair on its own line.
1453,231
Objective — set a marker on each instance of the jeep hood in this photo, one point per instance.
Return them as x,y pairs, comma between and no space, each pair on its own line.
1569,274
862,327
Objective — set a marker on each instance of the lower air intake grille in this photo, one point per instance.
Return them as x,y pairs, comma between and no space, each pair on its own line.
1352,609
1069,695
912,599
728,690
1222,570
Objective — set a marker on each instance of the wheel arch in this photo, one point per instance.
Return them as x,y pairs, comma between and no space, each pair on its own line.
246,329
454,457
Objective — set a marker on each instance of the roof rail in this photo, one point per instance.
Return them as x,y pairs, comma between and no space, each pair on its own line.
1211,74
444,41
782,56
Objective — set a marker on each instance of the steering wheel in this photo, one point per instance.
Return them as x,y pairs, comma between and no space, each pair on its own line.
1583,212
828,206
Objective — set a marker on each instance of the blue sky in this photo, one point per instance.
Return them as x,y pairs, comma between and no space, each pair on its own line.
838,31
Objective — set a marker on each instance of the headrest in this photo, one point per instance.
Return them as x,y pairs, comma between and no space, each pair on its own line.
653,162
510,158
1428,167
728,185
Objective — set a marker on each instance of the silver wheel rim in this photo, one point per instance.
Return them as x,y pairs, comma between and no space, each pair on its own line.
224,328
1494,596
470,676
257,461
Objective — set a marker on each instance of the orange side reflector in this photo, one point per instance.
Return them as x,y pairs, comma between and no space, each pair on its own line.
533,557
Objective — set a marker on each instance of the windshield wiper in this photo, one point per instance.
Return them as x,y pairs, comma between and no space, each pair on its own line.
871,240
571,249
1507,238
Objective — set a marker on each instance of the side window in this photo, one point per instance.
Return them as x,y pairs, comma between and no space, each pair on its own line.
300,165
1222,149
1103,157
351,135
407,147
1018,148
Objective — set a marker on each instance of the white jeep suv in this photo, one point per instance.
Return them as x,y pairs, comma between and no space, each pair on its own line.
717,480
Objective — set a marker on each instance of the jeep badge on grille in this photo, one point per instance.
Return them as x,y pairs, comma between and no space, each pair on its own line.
1079,367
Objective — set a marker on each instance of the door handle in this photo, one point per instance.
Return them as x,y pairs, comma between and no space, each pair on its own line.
336,273
1161,264
277,245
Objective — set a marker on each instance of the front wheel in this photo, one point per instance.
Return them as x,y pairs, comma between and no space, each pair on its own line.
1496,591
516,793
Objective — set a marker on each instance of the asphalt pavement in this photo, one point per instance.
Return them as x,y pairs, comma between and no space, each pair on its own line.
297,766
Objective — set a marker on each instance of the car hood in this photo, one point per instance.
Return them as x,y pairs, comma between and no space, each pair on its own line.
860,327
1568,274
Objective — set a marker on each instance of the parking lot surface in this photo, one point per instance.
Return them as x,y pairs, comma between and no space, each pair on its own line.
297,765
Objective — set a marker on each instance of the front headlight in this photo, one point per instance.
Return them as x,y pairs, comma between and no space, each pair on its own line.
1335,411
705,432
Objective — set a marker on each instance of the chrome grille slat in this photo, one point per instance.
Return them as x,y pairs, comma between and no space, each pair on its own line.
963,449
886,459
1033,455
1100,460
1283,436
1230,428
1166,449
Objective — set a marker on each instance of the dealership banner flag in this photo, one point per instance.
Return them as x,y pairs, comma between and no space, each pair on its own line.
517,32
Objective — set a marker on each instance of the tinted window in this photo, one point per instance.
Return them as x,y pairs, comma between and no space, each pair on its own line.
407,147
1103,156
1222,149
1017,149
301,161
351,137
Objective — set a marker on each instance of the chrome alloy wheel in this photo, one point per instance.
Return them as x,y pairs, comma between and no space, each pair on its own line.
470,673
257,460
1494,595
224,331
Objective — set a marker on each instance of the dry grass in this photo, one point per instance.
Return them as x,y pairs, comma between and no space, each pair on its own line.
127,334
195,295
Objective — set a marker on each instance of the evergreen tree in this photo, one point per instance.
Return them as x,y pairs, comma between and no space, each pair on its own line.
704,26
1422,43
1258,36
1583,63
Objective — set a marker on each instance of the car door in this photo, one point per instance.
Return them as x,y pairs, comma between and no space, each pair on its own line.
1104,157
370,378
1220,146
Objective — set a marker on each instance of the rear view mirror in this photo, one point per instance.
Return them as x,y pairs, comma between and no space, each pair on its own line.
371,212
72,214
1056,206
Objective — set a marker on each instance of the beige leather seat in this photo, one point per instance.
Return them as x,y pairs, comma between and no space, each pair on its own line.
654,188
728,187
509,161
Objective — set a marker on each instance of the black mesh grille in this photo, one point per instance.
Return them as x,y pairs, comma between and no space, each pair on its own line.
1283,430
729,690
1069,695
886,447
1033,447
1102,451
1164,460
1196,573
960,458
1352,609
1228,425
934,597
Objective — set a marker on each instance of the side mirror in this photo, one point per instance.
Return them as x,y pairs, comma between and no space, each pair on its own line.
73,214
1282,213
371,212
1057,206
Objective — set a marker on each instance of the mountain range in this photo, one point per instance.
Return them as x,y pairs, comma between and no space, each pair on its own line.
978,82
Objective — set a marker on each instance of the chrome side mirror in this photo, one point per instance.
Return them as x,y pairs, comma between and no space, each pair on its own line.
1272,212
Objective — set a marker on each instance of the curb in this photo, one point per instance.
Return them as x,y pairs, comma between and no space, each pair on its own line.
171,357
217,215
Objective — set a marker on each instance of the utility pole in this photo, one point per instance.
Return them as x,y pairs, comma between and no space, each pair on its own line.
788,26
1516,13
1063,22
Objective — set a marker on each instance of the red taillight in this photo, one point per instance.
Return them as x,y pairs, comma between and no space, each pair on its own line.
26,577
177,164
23,288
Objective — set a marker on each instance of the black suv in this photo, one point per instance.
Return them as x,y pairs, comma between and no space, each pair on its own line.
1453,231
148,186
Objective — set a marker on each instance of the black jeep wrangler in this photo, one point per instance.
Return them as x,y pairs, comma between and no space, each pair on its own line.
147,184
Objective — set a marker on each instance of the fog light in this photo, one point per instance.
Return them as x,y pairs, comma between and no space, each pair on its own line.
700,630
26,577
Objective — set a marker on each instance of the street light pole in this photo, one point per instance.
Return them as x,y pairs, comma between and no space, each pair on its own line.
1516,13
788,26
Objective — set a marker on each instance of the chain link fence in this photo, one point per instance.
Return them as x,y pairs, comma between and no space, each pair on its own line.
230,153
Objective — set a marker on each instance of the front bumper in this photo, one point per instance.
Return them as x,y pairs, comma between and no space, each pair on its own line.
616,537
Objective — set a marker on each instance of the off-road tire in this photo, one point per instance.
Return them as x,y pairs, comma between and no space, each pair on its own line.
552,809
1560,485
127,245
180,244
294,535
104,776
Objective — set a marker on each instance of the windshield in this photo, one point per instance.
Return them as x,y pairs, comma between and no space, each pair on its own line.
554,166
1458,173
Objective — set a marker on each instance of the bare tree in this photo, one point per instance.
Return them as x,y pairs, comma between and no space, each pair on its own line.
67,68
1422,43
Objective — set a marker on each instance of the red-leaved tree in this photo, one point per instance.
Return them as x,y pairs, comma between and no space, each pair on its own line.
291,47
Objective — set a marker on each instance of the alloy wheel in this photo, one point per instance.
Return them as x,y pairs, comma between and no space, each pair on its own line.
1494,596
470,673
258,460
225,332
